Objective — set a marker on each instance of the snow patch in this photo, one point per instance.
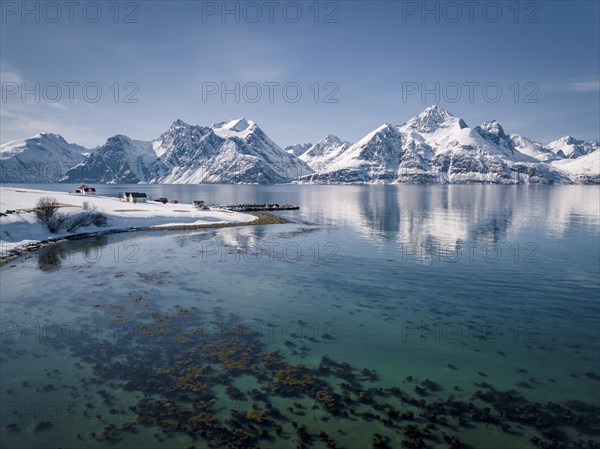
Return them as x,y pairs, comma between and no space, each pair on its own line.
23,228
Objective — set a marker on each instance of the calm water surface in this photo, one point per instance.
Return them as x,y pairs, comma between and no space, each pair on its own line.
384,314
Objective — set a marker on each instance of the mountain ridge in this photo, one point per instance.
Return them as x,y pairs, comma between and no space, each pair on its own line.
432,147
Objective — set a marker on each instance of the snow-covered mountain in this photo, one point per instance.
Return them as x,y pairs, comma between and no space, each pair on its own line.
320,156
372,159
42,158
432,147
584,169
572,148
536,150
436,147
237,151
119,160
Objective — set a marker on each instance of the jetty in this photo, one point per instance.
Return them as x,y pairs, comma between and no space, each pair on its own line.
256,207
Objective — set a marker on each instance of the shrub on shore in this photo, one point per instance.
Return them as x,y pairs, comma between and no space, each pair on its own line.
87,206
86,218
46,208
46,211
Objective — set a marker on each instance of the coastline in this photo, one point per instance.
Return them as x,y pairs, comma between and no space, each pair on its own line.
261,219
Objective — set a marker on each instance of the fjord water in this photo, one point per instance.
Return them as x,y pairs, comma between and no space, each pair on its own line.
461,285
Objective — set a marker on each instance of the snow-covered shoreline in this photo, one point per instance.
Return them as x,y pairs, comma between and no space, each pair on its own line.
22,231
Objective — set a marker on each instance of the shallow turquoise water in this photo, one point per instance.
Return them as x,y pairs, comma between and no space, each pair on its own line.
472,287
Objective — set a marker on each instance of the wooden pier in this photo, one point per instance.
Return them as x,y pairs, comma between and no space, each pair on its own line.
257,207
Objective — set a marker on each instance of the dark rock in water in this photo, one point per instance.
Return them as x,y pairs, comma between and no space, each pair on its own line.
430,385
592,375
303,434
234,393
408,415
12,427
329,441
395,391
380,441
42,425
370,374
453,440
420,391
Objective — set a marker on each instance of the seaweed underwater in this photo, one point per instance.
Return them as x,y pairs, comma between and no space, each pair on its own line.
180,371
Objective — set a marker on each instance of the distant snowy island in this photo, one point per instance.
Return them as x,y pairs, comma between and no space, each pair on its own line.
433,147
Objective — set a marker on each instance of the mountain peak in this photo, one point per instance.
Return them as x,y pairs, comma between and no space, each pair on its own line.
240,127
493,127
178,123
572,147
118,139
50,136
242,124
435,109
493,132
568,140
384,127
432,118
321,154
331,138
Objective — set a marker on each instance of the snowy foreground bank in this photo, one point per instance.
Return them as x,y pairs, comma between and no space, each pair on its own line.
22,229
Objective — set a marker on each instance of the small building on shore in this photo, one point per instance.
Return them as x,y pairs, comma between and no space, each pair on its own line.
199,204
134,197
85,189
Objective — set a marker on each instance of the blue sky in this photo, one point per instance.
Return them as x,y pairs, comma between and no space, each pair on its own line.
374,58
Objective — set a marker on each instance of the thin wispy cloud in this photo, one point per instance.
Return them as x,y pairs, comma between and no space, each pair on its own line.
9,74
589,86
